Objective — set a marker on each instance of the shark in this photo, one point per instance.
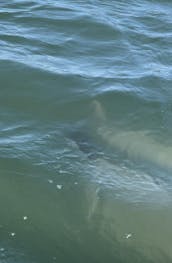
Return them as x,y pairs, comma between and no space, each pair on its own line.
51,224
136,145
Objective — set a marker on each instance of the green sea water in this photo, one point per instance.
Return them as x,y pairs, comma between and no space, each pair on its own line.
85,131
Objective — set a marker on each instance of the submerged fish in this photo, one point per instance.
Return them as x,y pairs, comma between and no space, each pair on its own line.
137,145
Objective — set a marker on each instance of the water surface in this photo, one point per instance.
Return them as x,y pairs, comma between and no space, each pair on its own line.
67,195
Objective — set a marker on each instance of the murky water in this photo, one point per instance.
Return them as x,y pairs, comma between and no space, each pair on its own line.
85,131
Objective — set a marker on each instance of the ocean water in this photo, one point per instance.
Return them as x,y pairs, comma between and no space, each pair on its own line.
85,131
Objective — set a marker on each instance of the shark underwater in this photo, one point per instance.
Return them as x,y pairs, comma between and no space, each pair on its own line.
138,186
124,159
137,145
41,223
